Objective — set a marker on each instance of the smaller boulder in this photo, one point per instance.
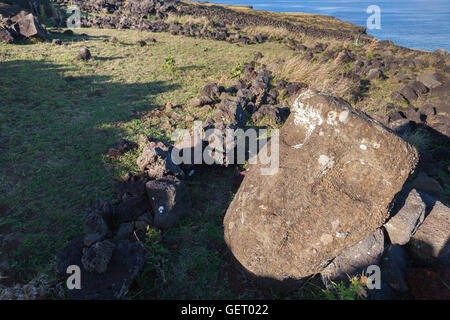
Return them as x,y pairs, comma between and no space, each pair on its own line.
84,54
429,79
403,225
427,184
156,161
231,111
393,268
6,35
201,101
354,260
12,241
95,227
409,93
29,26
268,111
169,200
294,88
212,91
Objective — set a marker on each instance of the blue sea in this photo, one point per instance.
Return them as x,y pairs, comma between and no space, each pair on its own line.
418,24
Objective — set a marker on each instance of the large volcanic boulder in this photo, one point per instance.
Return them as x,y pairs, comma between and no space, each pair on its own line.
339,172
107,269
430,245
30,27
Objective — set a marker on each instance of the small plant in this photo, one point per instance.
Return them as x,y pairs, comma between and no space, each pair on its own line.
169,64
237,71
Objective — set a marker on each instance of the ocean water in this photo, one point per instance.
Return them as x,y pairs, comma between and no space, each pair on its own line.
418,24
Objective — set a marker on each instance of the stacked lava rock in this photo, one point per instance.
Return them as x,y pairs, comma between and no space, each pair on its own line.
111,254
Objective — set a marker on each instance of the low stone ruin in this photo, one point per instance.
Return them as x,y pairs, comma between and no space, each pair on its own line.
17,23
111,252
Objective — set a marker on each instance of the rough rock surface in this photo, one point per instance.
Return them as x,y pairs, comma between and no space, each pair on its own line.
124,265
429,284
403,225
169,201
356,259
30,27
393,268
156,161
230,111
83,54
95,227
339,171
6,35
427,184
430,244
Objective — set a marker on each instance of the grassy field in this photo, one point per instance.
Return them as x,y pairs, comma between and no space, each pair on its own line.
58,117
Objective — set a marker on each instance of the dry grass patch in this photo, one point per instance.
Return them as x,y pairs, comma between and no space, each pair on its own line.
186,19
269,32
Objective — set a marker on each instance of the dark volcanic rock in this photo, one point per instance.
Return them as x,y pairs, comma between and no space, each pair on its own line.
121,147
156,161
169,200
374,74
334,160
403,225
429,79
393,268
131,209
83,54
430,244
427,184
97,257
231,111
96,227
7,35
29,26
201,101
126,261
212,91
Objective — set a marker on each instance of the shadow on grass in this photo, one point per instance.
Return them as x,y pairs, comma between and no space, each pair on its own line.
54,132
75,37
